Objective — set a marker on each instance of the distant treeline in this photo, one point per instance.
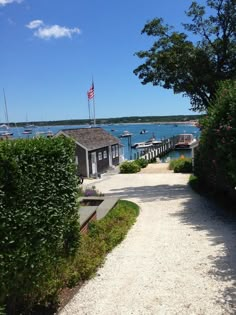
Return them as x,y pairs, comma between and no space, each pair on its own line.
117,120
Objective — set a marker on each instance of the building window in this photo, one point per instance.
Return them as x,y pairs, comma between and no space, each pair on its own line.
117,150
76,160
113,152
105,154
99,156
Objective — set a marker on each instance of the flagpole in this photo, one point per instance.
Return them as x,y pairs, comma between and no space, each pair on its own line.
89,111
94,117
91,94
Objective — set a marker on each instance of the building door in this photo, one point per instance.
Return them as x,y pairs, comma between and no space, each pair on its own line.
94,163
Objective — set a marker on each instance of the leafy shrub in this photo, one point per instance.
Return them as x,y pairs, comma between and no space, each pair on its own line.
102,237
194,182
116,224
172,164
39,226
152,160
181,165
215,161
129,167
142,162
90,256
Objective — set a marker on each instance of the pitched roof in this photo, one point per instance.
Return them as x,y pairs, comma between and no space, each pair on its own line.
91,138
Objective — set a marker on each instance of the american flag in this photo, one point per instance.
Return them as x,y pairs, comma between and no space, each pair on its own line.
90,92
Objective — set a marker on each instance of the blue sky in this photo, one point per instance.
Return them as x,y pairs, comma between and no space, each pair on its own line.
51,49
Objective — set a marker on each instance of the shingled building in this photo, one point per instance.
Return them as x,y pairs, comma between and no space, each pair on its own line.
96,150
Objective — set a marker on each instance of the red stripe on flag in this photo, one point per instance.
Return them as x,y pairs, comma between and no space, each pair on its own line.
90,93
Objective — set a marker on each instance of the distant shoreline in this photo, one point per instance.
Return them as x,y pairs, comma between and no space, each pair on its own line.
160,120
49,124
190,122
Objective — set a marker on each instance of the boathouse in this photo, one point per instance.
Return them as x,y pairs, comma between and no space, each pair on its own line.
96,150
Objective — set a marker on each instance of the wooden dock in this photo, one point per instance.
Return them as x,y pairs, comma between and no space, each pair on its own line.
157,151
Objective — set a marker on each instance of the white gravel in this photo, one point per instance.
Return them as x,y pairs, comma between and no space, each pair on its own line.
178,258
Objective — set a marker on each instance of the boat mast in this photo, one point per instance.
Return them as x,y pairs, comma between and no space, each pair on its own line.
6,112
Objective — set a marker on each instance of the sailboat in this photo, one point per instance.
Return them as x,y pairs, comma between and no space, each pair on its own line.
5,131
28,128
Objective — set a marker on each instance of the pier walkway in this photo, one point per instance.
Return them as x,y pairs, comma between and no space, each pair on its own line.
157,151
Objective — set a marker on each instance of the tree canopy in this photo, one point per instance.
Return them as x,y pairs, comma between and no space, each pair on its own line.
192,68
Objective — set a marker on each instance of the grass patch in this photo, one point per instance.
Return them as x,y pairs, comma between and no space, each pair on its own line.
102,237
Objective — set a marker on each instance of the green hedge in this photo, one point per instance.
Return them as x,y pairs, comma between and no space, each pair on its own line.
181,165
194,183
39,226
215,159
129,167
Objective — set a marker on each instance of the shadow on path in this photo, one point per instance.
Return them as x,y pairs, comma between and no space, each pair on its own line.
202,214
151,193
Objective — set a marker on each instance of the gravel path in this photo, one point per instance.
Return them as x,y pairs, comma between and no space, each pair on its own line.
178,258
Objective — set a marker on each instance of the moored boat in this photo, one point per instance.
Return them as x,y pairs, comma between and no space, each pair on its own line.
185,141
125,134
5,131
143,131
153,140
141,145
27,132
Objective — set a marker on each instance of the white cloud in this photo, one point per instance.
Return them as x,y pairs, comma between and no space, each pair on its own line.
55,31
34,24
5,2
51,31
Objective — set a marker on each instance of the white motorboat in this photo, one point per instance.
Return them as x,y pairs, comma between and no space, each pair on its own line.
143,145
153,141
185,141
125,134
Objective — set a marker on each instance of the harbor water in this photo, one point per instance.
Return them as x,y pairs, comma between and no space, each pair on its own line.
139,133
159,131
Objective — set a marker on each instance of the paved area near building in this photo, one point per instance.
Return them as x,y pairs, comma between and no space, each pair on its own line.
156,168
178,258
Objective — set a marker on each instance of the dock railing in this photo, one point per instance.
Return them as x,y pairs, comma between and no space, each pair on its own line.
157,151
